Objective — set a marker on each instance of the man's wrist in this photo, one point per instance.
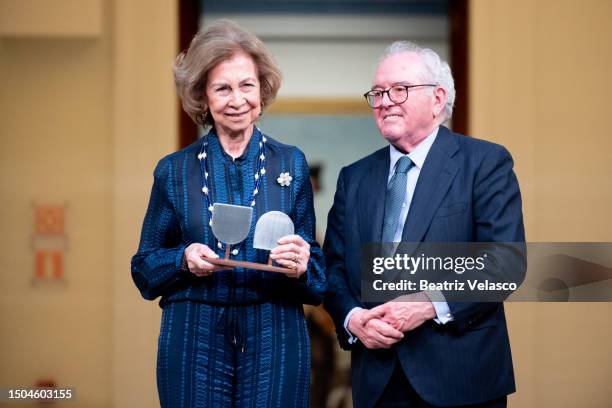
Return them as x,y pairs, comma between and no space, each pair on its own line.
347,320
431,310
442,314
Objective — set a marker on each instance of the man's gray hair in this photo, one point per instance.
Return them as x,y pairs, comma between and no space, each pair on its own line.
438,71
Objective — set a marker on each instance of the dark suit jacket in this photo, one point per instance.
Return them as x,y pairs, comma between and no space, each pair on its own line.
466,192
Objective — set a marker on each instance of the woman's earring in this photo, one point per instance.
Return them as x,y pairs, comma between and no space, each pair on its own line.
203,117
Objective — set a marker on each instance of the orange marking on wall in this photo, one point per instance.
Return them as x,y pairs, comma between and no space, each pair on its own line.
40,264
49,242
58,264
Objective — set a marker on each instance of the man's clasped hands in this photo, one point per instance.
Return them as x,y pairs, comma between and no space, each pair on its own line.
385,325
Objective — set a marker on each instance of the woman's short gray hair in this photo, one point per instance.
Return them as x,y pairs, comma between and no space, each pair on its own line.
219,42
438,71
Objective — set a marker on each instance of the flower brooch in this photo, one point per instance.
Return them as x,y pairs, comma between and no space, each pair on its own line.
284,179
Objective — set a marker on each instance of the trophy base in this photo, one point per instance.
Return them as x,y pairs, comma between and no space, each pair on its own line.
250,265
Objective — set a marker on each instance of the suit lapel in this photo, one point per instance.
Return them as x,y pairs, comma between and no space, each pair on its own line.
372,192
435,178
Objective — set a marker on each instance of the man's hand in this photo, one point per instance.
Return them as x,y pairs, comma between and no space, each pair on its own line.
372,332
406,313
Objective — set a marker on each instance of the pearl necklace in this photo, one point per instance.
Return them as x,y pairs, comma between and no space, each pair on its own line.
259,173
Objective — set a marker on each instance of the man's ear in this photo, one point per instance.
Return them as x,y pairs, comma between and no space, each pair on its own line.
439,101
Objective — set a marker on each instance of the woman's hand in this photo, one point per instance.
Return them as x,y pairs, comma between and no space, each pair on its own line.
195,254
292,252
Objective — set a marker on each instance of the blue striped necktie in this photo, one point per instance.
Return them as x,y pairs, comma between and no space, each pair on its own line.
396,193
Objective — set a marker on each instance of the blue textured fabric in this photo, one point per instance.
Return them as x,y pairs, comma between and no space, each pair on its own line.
235,338
198,367
395,196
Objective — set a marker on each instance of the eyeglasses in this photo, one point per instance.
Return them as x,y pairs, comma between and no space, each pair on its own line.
397,94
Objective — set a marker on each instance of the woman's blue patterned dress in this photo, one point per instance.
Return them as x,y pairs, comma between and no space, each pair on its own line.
234,338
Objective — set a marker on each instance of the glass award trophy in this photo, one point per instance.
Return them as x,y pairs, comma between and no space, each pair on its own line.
231,225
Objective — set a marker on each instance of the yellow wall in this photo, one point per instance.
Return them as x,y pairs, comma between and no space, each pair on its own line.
539,86
55,138
51,18
84,118
145,129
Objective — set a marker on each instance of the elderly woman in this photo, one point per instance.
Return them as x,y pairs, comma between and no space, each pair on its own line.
237,337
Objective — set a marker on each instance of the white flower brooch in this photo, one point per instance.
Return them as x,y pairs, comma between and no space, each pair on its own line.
284,179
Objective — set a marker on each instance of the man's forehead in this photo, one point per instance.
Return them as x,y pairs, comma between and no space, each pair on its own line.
398,68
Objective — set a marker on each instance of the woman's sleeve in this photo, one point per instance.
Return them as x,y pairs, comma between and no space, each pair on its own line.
314,280
157,266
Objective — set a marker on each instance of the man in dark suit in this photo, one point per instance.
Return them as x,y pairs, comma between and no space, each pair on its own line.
428,185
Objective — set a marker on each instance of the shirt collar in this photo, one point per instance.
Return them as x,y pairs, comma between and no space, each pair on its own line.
251,151
417,155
